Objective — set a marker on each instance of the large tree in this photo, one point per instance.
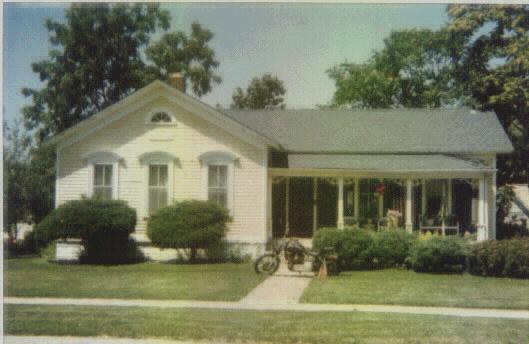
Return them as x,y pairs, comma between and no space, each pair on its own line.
493,69
414,69
265,92
95,61
15,177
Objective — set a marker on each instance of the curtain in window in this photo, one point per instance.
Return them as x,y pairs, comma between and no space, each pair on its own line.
218,184
102,181
158,177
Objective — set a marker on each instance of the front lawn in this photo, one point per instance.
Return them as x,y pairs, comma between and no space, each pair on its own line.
271,327
402,287
32,277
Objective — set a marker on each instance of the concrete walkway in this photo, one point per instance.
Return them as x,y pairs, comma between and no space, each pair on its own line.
278,306
278,289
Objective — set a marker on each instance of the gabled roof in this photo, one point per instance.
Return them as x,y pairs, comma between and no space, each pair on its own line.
388,131
147,94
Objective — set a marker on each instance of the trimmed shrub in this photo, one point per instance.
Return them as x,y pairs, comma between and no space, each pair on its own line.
351,246
188,224
503,258
438,254
390,248
102,225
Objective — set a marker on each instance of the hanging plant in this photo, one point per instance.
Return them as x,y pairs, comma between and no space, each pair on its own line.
379,189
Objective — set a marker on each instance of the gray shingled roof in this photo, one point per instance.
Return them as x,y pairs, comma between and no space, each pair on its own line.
379,131
367,162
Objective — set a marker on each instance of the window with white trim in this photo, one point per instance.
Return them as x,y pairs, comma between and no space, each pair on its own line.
218,184
103,174
217,177
158,187
103,181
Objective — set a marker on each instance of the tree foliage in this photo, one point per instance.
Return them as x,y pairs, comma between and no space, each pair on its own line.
189,55
265,92
15,177
480,58
413,69
493,70
95,61
29,178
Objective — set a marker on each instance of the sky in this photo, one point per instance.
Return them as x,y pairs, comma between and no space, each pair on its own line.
295,42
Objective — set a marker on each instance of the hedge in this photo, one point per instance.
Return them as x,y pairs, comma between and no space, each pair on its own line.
504,258
188,224
438,254
359,249
102,225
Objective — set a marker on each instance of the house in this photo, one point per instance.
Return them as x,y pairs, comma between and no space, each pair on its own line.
287,171
519,211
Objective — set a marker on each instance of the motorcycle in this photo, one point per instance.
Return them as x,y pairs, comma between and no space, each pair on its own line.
297,256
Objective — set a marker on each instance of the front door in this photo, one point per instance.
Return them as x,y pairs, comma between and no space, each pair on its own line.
301,190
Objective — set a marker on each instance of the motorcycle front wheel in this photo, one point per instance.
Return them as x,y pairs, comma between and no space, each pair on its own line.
267,264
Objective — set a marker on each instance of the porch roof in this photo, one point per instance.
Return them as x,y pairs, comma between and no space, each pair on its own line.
384,162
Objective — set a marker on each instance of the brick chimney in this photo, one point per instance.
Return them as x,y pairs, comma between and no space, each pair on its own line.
177,81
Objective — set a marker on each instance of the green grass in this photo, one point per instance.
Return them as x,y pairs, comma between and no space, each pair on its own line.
403,287
276,327
31,277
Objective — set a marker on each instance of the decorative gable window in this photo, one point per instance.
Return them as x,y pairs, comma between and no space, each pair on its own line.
217,177
158,168
160,116
103,172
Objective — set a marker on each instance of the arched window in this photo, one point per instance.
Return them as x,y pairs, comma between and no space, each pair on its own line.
161,117
103,173
158,167
217,177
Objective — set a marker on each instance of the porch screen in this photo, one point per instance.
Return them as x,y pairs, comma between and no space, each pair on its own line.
436,191
157,187
103,181
368,200
218,184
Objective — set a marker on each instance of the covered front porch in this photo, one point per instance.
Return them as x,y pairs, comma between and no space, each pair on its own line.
448,201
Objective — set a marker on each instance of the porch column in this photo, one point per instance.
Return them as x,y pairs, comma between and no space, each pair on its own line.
287,205
357,200
493,201
409,200
340,221
449,198
423,197
269,207
482,210
314,205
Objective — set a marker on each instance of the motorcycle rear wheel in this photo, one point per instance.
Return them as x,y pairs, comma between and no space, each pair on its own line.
267,264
